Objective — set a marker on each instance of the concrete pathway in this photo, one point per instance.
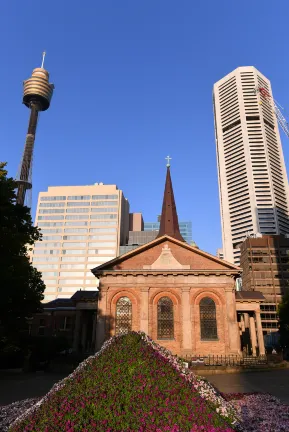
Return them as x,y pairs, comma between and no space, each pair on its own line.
16,386
275,382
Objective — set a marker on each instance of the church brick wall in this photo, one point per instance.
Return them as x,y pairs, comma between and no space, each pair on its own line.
125,288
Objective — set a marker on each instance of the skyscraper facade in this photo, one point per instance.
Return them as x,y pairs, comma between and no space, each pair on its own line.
82,227
185,229
253,184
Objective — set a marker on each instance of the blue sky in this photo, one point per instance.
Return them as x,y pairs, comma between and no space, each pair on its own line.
133,83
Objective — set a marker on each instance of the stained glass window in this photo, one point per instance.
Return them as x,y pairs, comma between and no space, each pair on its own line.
208,319
165,319
123,316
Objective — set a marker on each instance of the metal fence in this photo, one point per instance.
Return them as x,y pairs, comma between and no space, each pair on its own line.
226,360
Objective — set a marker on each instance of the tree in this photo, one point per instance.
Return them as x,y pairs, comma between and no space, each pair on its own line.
21,285
283,312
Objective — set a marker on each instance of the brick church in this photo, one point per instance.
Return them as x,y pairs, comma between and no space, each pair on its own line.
182,297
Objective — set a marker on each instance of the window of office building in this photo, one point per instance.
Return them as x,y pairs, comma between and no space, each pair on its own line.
50,281
75,230
69,259
104,230
45,258
103,216
74,237
46,266
48,274
102,237
102,223
51,237
51,231
72,266
101,251
98,258
58,204
103,210
78,197
71,282
77,210
78,204
74,244
50,224
101,244
73,251
46,252
53,198
75,217
42,245
97,197
69,273
76,223
104,203
47,211
52,217
67,289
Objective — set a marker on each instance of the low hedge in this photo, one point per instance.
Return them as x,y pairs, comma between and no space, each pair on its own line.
131,385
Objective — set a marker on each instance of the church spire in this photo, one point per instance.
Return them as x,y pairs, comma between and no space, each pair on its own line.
169,219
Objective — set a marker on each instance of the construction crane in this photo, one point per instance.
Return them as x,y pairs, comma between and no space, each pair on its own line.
276,107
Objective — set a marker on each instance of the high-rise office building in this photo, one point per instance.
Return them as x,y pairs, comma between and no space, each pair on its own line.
253,183
185,229
82,227
265,264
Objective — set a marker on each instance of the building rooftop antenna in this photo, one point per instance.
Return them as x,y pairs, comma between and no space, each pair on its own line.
43,58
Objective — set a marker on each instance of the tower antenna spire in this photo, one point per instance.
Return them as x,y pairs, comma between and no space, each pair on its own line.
43,58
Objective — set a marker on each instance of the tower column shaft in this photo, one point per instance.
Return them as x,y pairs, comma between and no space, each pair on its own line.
24,181
34,110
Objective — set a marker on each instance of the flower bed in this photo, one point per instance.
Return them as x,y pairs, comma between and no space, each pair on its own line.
132,384
260,412
9,413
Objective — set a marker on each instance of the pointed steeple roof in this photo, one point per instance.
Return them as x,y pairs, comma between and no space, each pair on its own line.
169,218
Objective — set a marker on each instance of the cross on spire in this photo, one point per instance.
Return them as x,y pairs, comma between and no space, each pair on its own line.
168,161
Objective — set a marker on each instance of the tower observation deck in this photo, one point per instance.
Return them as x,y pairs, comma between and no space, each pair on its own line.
37,96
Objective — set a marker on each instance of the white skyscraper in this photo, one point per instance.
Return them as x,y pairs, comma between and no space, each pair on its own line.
253,183
82,227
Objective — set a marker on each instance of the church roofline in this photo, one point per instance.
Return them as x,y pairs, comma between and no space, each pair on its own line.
121,258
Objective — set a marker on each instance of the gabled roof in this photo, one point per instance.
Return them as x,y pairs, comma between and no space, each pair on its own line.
110,265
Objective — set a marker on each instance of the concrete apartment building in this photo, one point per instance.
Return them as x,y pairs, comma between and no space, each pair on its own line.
82,227
220,253
253,184
265,263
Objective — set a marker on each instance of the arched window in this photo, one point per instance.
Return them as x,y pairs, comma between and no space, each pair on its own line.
165,318
123,316
208,319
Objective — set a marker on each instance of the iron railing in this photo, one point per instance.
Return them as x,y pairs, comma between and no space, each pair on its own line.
226,360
